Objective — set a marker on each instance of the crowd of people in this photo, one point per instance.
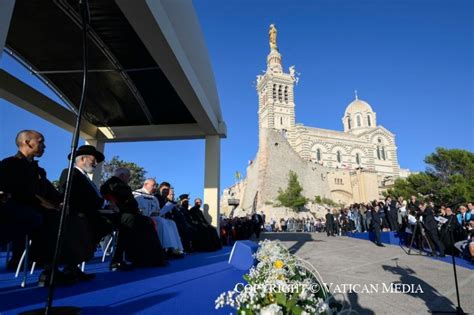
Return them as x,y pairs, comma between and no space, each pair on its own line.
445,229
149,224
241,228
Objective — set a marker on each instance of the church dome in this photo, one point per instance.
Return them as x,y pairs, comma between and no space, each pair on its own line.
357,106
358,116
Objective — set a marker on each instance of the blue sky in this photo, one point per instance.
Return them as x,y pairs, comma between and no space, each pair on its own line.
411,60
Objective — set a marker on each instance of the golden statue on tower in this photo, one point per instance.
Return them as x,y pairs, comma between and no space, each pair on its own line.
272,33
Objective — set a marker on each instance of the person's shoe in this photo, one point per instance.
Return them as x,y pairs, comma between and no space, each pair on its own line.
177,254
120,265
380,245
60,279
79,274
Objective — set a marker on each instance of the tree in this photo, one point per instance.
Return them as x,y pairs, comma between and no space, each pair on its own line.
448,179
291,197
137,172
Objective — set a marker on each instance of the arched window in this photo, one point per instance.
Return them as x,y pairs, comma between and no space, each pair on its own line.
349,122
378,152
281,121
358,158
338,155
274,92
358,121
286,94
318,155
280,98
383,153
369,121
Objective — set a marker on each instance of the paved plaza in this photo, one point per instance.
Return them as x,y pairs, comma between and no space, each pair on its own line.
344,262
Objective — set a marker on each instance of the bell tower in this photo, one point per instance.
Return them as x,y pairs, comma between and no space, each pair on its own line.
276,106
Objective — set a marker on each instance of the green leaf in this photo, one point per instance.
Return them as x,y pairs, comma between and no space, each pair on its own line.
280,298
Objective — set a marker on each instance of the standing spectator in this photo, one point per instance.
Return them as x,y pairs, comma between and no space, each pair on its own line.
257,221
376,224
431,227
330,223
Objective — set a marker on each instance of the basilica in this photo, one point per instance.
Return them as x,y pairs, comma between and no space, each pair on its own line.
353,165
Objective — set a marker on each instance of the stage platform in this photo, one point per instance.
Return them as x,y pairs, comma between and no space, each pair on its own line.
391,238
186,286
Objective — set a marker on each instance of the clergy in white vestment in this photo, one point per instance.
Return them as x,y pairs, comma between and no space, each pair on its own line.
167,230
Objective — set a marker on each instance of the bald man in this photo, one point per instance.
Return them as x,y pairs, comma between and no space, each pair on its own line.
33,208
21,180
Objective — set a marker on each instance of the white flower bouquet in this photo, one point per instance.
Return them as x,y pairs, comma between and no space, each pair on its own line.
280,283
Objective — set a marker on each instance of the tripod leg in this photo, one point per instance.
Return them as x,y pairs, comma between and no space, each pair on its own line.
427,239
412,239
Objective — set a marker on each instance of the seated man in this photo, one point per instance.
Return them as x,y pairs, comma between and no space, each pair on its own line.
212,238
85,201
136,232
167,230
31,207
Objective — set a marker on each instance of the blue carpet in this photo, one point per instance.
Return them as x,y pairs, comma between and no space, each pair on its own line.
186,286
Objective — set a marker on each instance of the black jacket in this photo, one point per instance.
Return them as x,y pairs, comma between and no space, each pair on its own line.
121,193
25,180
428,219
84,198
329,218
376,219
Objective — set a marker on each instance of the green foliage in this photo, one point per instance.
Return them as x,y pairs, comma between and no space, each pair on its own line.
55,183
137,172
325,201
448,179
291,197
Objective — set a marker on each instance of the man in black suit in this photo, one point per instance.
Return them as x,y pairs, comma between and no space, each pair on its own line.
329,223
376,225
257,221
85,201
431,227
32,207
391,213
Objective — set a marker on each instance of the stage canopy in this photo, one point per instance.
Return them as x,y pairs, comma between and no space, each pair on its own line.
150,75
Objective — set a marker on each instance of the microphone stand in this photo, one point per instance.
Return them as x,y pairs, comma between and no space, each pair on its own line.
49,309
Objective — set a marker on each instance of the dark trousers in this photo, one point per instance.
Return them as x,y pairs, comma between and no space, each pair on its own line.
433,236
392,220
257,229
17,220
330,229
377,234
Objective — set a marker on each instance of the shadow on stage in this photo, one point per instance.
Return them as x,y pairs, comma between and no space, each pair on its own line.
435,302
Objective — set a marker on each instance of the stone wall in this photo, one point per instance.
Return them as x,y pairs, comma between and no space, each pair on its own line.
269,172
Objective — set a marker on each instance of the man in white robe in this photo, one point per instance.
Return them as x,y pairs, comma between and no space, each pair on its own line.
167,230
